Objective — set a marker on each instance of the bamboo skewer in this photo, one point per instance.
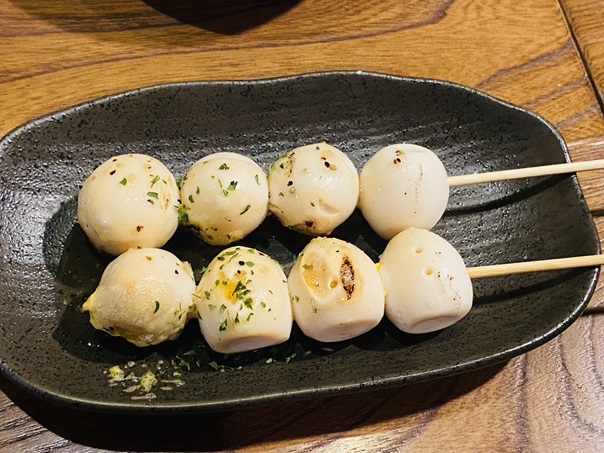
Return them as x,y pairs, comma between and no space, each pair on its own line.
529,172
534,266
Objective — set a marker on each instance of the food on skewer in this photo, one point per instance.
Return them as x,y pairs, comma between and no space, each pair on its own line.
313,188
128,201
403,186
224,197
242,302
336,291
425,280
406,185
145,296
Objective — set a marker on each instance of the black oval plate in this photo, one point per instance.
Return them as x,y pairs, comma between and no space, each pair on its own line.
47,267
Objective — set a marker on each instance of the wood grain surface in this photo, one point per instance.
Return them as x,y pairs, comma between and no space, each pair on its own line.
56,54
585,18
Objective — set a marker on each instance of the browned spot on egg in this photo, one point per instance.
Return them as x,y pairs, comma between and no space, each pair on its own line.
347,273
149,258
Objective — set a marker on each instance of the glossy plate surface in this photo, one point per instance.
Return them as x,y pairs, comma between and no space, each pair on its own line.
47,267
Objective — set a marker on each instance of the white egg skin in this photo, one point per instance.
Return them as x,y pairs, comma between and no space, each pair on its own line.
129,201
336,291
403,186
242,302
313,188
145,296
426,282
225,197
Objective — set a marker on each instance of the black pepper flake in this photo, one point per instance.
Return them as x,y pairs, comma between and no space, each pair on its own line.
327,164
289,183
241,263
112,172
139,228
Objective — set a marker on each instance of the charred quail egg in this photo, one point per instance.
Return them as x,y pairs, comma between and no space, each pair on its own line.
129,201
426,282
403,186
242,302
313,188
336,291
224,197
145,296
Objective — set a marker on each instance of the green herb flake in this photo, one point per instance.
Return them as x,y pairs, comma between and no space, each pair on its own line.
183,217
249,263
197,190
211,306
124,181
223,326
191,199
223,167
257,179
307,266
223,308
207,294
152,194
232,185
154,180
238,287
156,306
246,209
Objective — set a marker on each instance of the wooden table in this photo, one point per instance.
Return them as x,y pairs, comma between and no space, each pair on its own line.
544,55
